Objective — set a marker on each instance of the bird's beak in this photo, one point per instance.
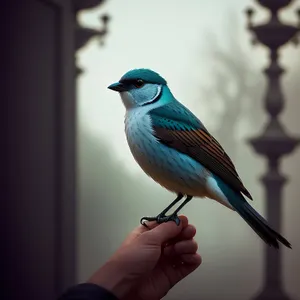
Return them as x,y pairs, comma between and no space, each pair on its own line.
118,87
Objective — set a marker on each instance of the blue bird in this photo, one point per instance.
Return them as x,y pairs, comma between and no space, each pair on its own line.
173,147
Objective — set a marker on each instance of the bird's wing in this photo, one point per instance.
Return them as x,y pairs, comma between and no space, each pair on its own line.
176,127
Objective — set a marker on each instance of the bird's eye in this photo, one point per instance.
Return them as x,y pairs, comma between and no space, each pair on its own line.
139,83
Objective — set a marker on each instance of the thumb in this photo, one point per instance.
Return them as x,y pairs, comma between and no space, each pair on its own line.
163,232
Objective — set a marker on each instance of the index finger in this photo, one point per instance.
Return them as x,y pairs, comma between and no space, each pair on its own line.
151,225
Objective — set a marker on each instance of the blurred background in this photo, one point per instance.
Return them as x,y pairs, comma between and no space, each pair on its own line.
73,189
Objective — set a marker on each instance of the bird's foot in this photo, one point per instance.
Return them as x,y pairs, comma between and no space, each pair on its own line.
160,219
172,217
149,219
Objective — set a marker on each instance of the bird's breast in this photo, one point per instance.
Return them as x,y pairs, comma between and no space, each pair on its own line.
140,138
175,171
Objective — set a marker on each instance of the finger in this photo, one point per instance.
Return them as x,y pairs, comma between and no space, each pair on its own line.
137,231
191,259
187,233
152,224
186,247
181,268
141,228
184,220
165,231
181,247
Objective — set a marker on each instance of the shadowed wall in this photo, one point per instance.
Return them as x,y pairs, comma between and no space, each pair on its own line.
38,206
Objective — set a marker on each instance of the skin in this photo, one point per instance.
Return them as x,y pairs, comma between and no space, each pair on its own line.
150,262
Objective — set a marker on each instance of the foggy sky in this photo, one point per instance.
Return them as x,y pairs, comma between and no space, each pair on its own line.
174,40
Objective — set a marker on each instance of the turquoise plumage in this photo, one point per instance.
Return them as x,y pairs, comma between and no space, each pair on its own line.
150,77
175,116
174,148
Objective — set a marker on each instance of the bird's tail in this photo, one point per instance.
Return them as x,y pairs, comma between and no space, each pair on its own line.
258,223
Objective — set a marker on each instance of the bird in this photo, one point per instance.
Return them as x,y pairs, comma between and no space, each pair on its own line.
174,148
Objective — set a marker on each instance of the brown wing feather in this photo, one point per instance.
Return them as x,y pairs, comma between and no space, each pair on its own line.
204,148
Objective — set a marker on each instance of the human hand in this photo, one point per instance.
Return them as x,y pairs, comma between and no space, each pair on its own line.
150,262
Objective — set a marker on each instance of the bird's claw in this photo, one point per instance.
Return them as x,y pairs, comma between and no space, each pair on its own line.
160,219
172,217
149,219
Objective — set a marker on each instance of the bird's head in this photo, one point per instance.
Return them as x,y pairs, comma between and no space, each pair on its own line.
139,87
